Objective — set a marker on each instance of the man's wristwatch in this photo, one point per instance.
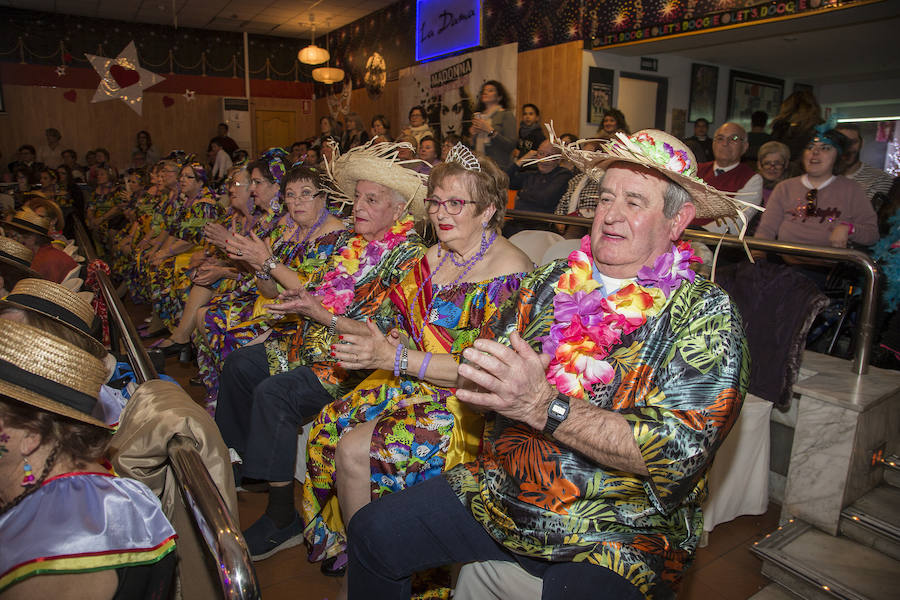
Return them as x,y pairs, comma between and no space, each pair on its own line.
556,413
269,264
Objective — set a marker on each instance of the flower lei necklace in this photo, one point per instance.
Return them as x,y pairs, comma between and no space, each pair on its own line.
588,326
356,259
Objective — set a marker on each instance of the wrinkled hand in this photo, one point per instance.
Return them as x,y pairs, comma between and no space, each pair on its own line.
839,237
158,257
197,258
217,235
300,302
372,351
207,274
512,380
251,250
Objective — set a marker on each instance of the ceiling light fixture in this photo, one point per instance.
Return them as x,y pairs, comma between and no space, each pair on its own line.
328,74
312,54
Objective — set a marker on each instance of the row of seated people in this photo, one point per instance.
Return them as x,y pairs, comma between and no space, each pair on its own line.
297,315
404,429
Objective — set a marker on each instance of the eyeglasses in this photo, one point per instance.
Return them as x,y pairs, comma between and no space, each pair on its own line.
773,164
234,183
728,139
453,206
304,196
184,176
812,202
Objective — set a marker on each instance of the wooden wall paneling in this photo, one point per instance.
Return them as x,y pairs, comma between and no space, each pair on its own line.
551,78
360,102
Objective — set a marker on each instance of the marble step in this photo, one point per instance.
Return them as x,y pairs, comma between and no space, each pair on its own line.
818,566
773,591
874,520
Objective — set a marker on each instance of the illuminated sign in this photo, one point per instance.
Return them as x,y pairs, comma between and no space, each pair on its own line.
445,26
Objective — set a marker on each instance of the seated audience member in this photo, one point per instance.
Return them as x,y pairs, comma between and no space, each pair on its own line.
540,186
428,154
70,523
493,127
50,154
313,159
531,131
355,134
728,174
468,275
281,258
819,207
699,143
326,131
26,160
259,414
757,135
15,264
450,140
33,231
407,148
381,129
138,159
418,124
772,165
298,153
591,470
583,191
613,123
70,160
873,181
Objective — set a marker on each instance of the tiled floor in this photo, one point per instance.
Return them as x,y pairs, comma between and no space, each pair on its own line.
723,570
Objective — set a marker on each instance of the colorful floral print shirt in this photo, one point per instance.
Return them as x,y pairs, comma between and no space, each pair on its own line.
679,382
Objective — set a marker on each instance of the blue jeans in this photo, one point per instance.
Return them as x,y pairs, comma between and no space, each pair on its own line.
260,415
426,526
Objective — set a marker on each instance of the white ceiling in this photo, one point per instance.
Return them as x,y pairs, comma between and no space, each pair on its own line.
289,18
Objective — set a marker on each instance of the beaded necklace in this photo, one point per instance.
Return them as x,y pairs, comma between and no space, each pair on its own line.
428,313
309,233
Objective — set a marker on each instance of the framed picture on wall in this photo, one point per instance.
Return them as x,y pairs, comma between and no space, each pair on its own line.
748,93
704,81
600,93
2,105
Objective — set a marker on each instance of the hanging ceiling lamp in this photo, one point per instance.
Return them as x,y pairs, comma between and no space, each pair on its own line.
312,54
328,74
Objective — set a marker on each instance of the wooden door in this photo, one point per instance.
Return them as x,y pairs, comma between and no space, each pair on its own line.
274,128
643,100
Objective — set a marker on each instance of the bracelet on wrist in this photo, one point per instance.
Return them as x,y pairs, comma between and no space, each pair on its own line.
332,327
404,360
397,354
424,366
850,227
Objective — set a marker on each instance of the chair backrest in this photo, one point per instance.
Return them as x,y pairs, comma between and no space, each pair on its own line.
560,249
534,243
777,306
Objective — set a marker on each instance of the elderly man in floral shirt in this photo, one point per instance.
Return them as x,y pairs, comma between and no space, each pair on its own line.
611,381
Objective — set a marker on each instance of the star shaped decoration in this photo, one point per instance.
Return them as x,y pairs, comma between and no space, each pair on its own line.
123,77
61,70
189,95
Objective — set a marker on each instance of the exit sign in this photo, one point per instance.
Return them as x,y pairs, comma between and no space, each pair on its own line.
649,64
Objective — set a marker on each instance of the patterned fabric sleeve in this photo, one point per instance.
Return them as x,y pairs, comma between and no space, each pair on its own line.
692,401
201,212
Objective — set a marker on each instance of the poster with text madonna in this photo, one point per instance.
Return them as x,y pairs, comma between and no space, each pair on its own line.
448,88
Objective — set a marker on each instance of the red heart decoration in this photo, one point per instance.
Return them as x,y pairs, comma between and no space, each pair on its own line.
167,102
70,95
67,58
124,77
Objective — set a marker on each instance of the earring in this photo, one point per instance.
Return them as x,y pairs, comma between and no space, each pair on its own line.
28,480
274,204
484,242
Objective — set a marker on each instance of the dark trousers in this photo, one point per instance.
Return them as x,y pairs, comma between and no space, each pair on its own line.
259,415
426,526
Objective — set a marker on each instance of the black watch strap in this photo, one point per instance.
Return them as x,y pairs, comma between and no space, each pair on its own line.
557,412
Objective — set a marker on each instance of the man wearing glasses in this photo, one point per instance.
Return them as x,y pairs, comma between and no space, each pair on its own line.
728,174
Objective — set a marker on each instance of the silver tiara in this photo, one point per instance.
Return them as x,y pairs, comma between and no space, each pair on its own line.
461,154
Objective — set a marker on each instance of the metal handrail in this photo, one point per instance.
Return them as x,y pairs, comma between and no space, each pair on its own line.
222,535
865,329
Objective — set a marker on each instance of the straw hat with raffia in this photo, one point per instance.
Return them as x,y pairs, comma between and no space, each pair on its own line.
16,255
45,372
378,162
665,154
71,309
